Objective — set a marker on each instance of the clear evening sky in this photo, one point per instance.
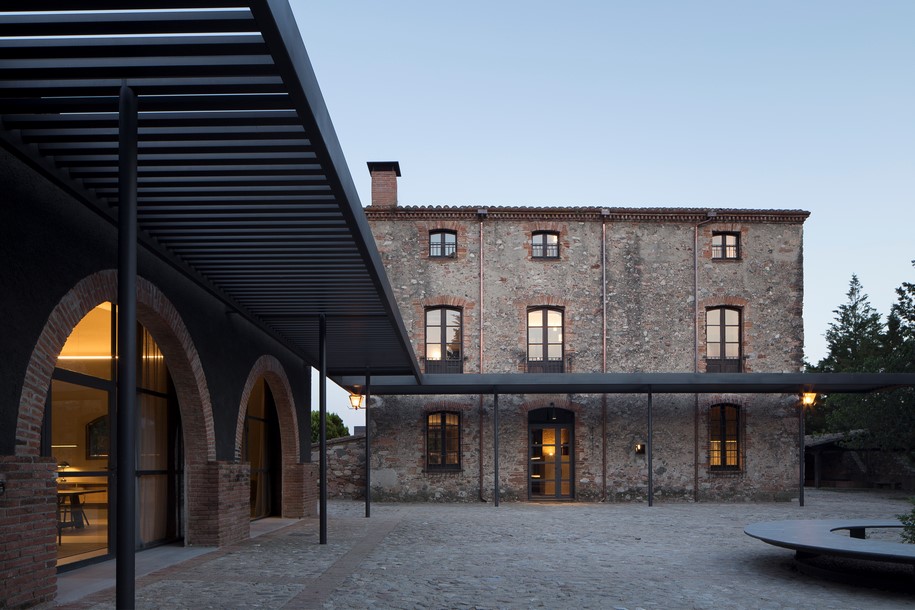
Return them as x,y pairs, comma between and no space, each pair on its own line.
732,104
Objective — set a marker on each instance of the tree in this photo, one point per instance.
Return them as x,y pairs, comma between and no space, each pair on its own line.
854,340
859,342
335,427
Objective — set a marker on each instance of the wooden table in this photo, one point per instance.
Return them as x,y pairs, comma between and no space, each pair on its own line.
70,512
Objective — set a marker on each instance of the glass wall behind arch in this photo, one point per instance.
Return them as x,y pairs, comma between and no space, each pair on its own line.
77,431
261,449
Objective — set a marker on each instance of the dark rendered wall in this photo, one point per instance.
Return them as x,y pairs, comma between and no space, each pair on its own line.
49,242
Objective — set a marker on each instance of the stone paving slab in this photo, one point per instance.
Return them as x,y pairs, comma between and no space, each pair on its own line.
523,555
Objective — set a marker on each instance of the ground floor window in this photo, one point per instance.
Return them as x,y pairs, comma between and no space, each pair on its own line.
443,441
724,437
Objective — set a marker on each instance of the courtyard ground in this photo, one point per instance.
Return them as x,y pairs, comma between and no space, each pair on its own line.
523,555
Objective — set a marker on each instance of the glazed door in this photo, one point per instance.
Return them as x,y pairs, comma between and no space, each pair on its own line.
551,467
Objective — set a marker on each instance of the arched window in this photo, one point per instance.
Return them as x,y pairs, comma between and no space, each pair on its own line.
544,340
444,340
442,243
443,441
724,437
545,244
723,353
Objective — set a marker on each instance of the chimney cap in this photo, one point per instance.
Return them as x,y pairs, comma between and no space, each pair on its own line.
384,166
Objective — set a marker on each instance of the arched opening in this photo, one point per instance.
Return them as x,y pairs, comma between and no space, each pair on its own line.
77,432
551,461
261,449
277,425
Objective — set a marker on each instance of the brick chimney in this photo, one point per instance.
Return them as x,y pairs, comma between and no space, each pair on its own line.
384,183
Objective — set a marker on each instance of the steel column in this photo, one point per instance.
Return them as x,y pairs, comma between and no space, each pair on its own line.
495,448
800,451
650,449
368,447
125,503
322,425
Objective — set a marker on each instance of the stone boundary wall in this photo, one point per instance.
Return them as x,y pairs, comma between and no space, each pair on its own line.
345,466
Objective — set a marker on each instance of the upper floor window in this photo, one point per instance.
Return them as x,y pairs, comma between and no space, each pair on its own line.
726,245
544,340
443,441
545,244
724,437
722,340
442,243
444,340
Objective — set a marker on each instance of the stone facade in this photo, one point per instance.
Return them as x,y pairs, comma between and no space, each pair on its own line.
633,289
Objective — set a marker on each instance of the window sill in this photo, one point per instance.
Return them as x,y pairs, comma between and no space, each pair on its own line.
443,471
726,473
727,260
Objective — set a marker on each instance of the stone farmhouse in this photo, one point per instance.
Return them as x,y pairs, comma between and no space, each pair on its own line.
589,290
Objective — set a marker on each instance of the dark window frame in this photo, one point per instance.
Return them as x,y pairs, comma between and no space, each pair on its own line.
723,459
723,364
543,249
440,431
724,251
439,246
445,364
545,364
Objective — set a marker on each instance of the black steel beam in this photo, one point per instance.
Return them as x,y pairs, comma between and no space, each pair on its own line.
322,434
639,383
125,513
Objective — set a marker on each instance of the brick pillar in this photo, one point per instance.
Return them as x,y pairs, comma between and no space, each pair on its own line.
300,490
28,531
384,183
219,504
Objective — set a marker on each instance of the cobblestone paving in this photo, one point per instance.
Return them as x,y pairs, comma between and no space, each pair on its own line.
523,555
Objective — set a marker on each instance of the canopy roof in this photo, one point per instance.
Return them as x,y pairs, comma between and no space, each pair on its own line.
635,383
242,184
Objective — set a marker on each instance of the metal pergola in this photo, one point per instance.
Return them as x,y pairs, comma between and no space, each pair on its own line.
198,128
240,180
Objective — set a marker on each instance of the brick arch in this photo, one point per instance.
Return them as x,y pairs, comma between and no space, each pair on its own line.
548,226
274,374
446,405
159,316
542,402
447,301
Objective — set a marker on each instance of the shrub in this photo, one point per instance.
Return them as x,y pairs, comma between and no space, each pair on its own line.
908,524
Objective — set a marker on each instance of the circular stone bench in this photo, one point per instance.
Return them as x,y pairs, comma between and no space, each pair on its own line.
809,538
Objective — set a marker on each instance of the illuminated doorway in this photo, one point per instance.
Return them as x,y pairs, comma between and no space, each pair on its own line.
551,466
77,430
261,448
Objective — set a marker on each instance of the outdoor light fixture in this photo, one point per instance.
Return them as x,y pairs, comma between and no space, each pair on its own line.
640,448
356,401
552,412
808,398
